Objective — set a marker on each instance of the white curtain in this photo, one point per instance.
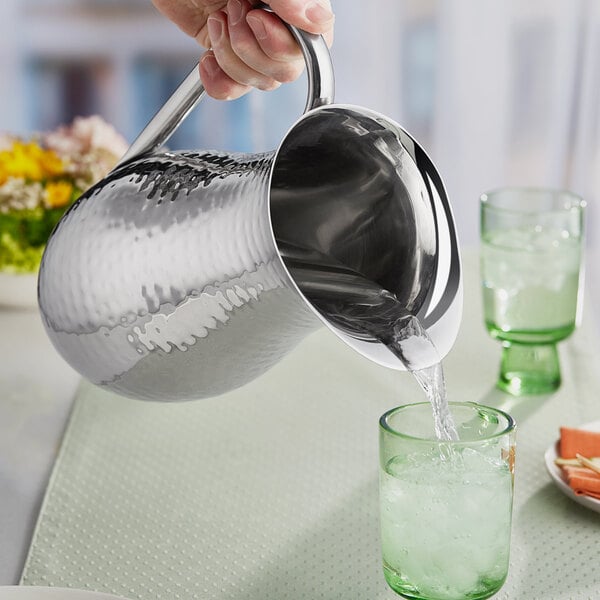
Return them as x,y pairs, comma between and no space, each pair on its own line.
500,92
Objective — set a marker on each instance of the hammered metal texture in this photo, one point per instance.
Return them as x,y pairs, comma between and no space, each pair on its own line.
164,282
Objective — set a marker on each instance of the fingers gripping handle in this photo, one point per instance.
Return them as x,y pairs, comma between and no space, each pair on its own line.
321,89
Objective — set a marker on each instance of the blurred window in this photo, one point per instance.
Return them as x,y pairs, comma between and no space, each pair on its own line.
62,89
419,54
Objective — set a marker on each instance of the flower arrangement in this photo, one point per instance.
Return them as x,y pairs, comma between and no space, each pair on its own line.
41,177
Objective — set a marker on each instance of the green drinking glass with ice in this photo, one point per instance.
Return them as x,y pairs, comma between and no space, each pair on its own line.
446,506
531,256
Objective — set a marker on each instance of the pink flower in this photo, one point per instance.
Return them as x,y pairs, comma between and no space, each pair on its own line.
85,135
6,141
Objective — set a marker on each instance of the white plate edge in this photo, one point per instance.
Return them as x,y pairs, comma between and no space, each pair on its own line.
32,592
555,471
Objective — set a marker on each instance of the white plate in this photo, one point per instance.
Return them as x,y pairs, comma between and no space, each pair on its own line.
557,476
28,592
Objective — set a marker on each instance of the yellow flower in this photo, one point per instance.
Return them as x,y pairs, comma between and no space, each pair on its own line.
29,161
58,193
51,163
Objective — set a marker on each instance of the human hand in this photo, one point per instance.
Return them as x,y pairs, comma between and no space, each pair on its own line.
248,47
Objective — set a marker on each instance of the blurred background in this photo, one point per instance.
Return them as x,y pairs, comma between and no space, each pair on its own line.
499,92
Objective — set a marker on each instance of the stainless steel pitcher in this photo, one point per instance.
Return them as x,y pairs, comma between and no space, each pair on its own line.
187,274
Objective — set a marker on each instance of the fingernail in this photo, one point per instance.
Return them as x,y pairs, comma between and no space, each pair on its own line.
318,12
210,64
269,87
257,26
215,29
234,9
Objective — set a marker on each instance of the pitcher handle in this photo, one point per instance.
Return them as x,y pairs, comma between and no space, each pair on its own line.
321,89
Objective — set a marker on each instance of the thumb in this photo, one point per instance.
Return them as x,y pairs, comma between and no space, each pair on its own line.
314,16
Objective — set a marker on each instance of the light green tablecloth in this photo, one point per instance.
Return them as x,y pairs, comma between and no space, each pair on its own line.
270,492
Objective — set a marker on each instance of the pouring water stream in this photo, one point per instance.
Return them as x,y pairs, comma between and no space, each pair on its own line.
362,307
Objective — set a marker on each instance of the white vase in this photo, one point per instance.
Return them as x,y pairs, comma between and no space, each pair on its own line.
18,290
